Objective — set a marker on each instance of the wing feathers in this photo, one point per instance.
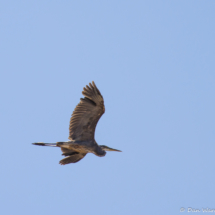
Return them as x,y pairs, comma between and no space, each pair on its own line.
72,159
86,114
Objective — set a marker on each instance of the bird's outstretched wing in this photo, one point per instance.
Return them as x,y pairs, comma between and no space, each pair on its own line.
72,158
86,114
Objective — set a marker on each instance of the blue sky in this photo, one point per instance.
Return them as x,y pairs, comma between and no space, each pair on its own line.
153,62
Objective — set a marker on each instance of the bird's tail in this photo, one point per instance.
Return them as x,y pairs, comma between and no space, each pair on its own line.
45,144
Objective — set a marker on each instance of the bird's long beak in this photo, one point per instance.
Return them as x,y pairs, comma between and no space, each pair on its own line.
106,148
111,149
116,150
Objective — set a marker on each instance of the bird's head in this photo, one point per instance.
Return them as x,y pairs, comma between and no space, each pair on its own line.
106,148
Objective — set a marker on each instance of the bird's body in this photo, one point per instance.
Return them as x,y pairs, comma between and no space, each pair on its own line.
82,128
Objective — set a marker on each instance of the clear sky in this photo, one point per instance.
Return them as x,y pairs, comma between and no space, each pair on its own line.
154,63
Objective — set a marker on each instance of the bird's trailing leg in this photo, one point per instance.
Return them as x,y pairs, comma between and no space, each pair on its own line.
45,144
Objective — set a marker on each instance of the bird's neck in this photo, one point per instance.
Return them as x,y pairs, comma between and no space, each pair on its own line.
100,152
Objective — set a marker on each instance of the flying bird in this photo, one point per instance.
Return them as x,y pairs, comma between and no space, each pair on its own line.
82,128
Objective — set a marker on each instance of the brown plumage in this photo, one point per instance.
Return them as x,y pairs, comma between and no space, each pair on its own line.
86,114
82,128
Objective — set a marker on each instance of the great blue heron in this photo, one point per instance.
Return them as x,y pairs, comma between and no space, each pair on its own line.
82,128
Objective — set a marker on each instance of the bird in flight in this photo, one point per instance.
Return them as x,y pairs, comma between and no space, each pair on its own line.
82,128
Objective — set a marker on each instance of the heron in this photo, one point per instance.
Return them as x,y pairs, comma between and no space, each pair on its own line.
82,128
